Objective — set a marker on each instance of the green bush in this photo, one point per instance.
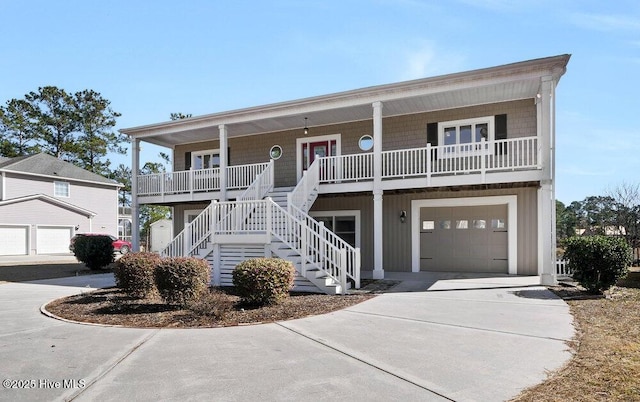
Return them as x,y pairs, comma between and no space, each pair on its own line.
134,273
263,281
95,251
182,280
597,261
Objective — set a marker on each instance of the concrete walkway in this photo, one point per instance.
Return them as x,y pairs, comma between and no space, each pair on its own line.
484,342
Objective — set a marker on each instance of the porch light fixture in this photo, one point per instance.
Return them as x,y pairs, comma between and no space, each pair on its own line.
403,216
306,129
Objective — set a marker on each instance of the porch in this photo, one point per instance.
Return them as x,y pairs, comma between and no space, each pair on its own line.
495,161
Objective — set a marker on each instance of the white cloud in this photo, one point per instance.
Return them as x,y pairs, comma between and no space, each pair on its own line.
607,22
425,60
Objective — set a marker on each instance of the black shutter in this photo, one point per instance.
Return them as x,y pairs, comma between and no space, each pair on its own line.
501,133
187,160
432,136
228,156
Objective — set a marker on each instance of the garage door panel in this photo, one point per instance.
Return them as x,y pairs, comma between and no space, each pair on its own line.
468,243
53,240
14,240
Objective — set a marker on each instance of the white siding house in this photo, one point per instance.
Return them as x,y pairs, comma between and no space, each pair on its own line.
448,173
44,201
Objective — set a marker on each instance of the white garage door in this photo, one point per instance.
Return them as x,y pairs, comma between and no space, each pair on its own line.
13,240
464,239
53,240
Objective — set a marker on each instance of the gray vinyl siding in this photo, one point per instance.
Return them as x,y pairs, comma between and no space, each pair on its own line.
41,213
101,200
397,235
398,132
178,215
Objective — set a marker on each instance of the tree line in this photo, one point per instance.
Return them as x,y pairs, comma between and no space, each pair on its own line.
616,213
78,128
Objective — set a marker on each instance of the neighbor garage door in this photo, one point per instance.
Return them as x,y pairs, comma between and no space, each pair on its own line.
13,240
464,239
53,240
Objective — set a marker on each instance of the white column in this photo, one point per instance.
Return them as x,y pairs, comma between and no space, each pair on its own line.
546,193
135,215
378,267
223,162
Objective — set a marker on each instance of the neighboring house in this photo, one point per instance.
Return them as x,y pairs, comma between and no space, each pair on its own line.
44,201
450,173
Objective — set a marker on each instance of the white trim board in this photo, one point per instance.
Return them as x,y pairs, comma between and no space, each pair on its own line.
308,140
346,212
512,218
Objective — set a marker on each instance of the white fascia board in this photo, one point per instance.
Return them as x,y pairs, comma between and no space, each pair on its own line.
527,70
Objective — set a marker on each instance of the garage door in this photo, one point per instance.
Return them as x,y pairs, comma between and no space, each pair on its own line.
53,240
464,239
13,240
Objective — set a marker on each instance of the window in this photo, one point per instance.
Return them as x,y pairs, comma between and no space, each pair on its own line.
464,136
61,189
275,152
366,142
205,159
428,225
345,224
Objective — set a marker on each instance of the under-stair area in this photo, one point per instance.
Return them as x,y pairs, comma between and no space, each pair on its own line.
271,222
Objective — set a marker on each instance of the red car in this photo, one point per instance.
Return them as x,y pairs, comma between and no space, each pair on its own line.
121,246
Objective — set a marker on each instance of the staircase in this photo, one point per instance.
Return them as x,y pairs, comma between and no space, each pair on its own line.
272,222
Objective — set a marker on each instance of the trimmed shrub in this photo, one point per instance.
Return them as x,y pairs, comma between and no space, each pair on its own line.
134,273
95,251
263,281
597,261
214,304
182,280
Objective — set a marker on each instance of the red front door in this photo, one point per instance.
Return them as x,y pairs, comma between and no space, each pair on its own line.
313,150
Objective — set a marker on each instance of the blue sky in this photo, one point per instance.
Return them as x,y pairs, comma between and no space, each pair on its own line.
151,58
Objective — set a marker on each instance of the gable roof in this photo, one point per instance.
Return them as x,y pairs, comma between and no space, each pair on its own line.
52,200
48,166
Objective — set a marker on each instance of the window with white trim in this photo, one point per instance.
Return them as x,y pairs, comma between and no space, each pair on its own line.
345,224
465,136
205,159
61,189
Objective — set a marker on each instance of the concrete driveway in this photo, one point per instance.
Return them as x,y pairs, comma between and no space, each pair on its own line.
485,341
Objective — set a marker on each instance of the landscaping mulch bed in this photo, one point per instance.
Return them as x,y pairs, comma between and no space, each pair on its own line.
220,309
606,361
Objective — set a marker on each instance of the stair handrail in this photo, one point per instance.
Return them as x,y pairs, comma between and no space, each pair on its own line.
261,185
300,196
352,264
195,234
193,237
314,249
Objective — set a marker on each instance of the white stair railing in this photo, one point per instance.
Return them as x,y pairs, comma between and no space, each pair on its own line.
195,236
321,241
306,190
261,185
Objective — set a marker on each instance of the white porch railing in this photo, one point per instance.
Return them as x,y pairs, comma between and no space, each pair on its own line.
488,156
562,268
198,180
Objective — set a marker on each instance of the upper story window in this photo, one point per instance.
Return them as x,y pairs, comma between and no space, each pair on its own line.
205,159
61,189
465,135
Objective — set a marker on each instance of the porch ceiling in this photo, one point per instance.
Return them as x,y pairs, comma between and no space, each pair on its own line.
497,84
